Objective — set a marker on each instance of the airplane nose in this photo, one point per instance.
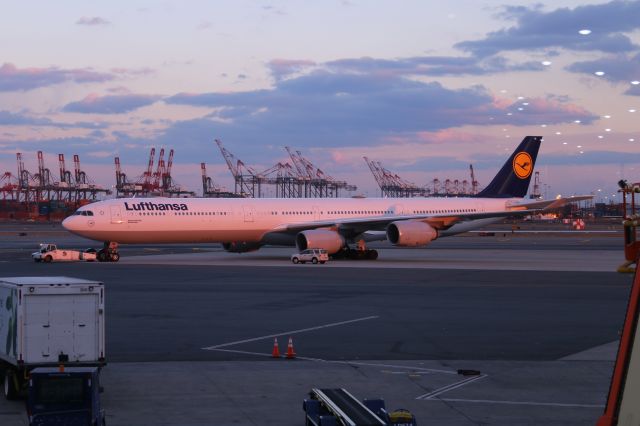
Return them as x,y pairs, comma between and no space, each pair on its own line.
70,223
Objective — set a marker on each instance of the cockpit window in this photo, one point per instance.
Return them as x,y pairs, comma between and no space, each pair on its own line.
84,212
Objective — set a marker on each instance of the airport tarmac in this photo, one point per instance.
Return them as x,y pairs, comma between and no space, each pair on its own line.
190,329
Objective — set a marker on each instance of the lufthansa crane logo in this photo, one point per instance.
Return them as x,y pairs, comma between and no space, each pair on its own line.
522,165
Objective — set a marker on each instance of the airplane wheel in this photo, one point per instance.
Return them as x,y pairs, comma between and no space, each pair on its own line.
314,260
115,257
102,256
372,255
295,260
48,259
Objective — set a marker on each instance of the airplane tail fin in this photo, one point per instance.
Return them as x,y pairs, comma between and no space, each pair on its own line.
512,181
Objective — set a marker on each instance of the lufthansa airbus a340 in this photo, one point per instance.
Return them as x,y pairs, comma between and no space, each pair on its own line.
246,224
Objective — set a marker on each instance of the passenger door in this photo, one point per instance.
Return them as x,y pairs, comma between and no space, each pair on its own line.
249,213
116,214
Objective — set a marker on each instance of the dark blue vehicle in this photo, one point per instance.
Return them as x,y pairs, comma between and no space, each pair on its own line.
337,407
69,396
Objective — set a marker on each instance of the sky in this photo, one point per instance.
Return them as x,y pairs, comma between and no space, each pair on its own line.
425,88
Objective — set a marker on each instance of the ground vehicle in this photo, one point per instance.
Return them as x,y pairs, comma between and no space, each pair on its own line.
51,253
310,255
333,407
45,321
69,396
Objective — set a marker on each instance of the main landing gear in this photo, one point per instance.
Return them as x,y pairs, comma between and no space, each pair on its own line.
361,252
109,252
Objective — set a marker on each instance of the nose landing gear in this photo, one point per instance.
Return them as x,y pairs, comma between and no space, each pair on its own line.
109,252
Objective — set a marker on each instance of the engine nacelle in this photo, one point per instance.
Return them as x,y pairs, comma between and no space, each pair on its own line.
331,241
410,233
240,246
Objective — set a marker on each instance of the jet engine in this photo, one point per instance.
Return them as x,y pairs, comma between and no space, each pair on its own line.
410,233
240,246
331,241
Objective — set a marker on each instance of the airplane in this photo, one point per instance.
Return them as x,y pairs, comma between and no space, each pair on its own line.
246,224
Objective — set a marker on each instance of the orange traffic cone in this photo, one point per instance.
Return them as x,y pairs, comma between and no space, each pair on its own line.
276,351
290,353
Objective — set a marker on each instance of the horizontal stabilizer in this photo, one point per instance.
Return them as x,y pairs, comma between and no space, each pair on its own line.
547,205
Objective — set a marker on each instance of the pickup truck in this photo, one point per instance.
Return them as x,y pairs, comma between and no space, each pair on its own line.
51,253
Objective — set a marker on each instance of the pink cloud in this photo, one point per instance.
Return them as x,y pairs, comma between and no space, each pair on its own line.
281,68
445,136
110,104
92,21
13,78
133,71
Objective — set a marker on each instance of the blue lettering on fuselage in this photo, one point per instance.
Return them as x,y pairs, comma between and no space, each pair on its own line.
150,206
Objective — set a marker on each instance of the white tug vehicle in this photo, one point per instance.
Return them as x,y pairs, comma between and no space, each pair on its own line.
51,253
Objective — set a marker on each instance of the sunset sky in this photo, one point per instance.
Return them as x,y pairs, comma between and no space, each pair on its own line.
426,88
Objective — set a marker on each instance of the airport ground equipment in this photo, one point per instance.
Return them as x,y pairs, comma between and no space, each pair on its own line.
631,221
624,393
64,396
337,407
48,321
312,255
51,253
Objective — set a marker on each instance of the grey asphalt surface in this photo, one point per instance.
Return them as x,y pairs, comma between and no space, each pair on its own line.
399,333
168,313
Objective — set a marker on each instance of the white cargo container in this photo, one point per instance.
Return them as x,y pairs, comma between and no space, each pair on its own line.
46,321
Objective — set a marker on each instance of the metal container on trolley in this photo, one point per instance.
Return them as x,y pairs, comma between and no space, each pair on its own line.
48,321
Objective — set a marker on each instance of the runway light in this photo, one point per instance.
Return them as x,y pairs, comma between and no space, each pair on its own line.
600,136
564,143
632,110
632,140
558,133
606,116
543,125
635,82
599,73
584,32
546,63
577,121
607,130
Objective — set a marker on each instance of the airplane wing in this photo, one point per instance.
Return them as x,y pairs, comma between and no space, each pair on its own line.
378,223
354,226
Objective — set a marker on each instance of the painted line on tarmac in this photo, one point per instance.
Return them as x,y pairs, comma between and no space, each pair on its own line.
414,369
284,333
375,364
542,404
242,352
450,387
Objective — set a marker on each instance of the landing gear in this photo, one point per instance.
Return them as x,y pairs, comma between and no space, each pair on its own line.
360,253
109,252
